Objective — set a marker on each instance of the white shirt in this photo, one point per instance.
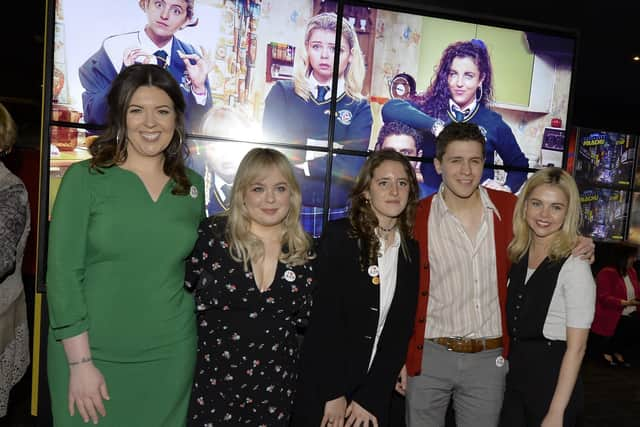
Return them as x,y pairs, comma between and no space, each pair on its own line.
218,182
463,290
117,45
313,86
631,294
573,302
388,271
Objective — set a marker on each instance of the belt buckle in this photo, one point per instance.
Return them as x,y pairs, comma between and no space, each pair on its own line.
456,340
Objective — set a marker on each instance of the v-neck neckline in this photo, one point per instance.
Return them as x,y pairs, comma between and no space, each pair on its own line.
273,281
144,187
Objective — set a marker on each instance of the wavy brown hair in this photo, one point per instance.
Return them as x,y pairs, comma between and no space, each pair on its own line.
362,217
110,148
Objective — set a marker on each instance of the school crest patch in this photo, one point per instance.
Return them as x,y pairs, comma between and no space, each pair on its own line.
344,117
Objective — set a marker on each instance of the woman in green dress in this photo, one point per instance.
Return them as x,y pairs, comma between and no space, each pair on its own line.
122,339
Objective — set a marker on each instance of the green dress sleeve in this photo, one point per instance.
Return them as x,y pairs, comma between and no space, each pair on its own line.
68,234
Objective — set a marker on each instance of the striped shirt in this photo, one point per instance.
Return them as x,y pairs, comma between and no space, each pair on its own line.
463,294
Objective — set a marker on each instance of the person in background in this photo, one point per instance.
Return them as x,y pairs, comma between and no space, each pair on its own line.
407,141
252,275
297,112
220,160
550,305
460,339
617,322
155,44
14,230
122,336
461,91
367,288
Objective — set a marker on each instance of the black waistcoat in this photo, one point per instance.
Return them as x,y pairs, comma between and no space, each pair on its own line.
528,305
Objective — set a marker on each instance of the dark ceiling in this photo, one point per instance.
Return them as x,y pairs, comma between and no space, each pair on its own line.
606,85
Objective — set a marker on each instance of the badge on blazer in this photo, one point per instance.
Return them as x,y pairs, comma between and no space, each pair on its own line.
375,280
344,117
289,276
193,192
373,271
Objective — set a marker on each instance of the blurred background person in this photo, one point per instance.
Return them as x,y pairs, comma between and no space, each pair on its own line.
407,141
155,44
14,229
219,161
367,292
297,112
252,276
122,337
550,305
461,91
616,325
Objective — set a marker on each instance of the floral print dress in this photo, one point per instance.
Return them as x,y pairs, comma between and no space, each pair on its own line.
247,359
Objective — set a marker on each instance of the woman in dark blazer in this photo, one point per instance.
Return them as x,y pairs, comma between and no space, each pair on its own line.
363,312
616,319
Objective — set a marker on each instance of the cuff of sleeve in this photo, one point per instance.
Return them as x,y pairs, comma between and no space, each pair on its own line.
201,98
71,330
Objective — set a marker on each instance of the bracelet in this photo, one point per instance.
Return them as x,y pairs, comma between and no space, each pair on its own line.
83,360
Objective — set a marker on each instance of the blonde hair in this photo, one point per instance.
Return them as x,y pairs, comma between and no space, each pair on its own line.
8,130
565,239
353,74
245,246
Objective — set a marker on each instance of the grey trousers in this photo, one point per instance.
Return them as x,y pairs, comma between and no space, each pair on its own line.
475,381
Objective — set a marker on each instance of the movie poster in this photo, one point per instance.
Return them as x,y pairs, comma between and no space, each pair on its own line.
261,72
604,157
604,213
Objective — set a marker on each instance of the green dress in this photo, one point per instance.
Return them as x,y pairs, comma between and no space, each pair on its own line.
116,269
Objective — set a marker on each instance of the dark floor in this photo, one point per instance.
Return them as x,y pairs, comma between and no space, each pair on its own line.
612,397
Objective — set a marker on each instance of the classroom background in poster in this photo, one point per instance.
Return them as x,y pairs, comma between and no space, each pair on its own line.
252,47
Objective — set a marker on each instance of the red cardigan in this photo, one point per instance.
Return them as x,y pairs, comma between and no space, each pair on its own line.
503,232
610,291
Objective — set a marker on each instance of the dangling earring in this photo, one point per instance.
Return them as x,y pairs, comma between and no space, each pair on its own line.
479,97
120,153
177,149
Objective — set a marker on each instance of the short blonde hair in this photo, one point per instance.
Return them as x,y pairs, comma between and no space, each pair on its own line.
243,244
565,240
8,130
353,74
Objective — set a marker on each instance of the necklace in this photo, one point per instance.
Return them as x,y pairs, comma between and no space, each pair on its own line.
387,230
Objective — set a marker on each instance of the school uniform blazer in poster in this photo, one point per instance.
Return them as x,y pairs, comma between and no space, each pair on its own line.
338,344
289,118
97,73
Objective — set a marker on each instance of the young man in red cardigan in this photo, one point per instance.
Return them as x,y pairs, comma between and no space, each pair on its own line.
458,347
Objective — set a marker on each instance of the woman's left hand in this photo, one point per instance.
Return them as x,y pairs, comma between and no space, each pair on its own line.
357,416
198,67
585,249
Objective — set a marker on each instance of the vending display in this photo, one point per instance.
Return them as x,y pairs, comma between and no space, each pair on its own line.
604,213
604,157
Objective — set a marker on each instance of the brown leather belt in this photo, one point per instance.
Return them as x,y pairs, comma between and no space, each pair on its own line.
468,345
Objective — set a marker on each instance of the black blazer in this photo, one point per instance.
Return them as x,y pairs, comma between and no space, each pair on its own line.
342,329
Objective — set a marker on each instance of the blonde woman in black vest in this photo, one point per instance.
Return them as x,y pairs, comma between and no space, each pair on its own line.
550,305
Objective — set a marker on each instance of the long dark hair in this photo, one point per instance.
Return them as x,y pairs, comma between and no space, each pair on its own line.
110,148
435,101
362,217
622,252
